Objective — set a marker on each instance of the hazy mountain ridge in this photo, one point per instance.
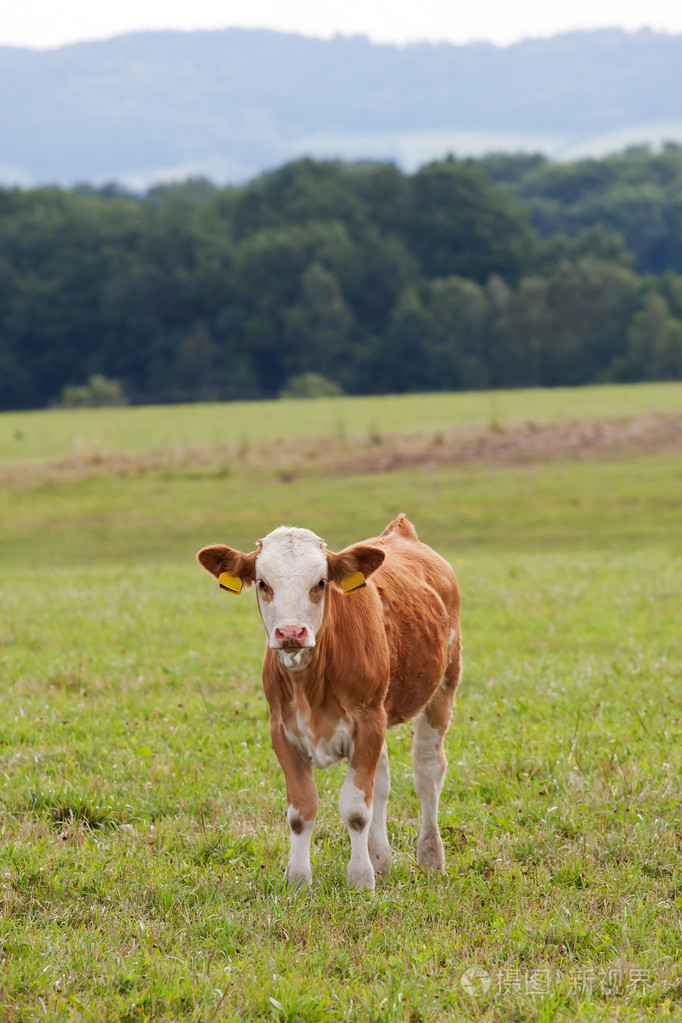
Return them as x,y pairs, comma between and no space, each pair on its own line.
231,103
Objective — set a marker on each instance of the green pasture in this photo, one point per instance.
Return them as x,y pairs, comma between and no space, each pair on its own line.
143,835
55,433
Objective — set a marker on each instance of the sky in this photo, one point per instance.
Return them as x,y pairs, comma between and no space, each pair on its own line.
45,24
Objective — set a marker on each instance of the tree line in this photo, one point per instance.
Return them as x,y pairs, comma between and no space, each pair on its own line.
380,281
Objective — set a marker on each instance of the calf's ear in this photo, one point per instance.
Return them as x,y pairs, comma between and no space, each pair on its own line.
351,566
235,566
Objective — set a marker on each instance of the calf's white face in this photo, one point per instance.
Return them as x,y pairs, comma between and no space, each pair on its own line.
291,579
292,570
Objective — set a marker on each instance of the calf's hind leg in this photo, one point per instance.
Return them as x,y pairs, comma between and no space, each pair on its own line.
379,849
429,763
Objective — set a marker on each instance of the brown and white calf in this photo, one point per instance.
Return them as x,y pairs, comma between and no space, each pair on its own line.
357,641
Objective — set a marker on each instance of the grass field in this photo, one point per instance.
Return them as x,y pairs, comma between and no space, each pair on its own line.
143,834
28,436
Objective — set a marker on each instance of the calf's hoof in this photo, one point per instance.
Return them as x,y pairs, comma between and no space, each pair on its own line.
361,877
430,852
299,878
381,856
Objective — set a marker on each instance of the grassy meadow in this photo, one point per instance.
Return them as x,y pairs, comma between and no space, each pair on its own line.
56,433
143,834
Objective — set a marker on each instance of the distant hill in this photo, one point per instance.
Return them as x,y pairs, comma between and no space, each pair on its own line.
227,104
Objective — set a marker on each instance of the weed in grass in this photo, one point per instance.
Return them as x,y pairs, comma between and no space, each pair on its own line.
243,448
71,808
374,436
494,424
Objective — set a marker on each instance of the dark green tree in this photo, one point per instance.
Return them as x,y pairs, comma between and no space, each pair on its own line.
457,222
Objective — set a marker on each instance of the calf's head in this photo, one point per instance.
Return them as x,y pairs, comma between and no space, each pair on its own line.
293,571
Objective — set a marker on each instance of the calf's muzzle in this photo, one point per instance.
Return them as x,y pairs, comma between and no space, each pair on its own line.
291,636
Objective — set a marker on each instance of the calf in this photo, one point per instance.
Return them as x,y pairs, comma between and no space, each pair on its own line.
357,641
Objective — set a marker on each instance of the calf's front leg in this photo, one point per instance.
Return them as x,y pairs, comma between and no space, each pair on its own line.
429,763
357,794
301,805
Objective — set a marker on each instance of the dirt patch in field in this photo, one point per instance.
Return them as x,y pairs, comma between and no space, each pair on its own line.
529,442
594,438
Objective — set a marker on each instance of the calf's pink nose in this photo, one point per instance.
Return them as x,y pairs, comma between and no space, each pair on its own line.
291,634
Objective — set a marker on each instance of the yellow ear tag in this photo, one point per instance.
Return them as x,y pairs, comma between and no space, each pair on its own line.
353,582
230,582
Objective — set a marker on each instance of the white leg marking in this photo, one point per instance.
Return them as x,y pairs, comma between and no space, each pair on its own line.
357,816
379,849
300,832
429,765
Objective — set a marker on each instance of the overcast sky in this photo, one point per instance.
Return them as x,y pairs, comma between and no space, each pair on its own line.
49,23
